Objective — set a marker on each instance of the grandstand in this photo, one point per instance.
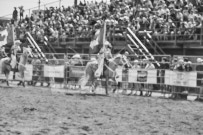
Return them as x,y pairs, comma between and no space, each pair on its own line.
174,27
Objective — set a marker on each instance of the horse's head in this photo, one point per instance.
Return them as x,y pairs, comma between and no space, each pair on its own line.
27,51
118,59
16,47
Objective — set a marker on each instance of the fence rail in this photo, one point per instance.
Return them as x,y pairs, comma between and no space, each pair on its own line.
138,79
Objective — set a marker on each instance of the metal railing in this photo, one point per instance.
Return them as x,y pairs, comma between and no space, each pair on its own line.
164,80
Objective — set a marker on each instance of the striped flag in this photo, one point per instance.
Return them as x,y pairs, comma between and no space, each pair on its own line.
7,35
99,40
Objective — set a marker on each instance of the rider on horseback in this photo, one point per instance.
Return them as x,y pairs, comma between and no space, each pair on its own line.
106,50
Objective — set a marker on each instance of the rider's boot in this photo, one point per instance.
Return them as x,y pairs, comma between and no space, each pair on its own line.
48,84
7,83
131,92
23,83
114,90
19,83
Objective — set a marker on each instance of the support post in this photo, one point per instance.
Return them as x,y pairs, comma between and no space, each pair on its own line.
201,35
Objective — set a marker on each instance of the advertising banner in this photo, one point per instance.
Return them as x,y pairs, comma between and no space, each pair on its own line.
143,76
76,71
54,71
181,78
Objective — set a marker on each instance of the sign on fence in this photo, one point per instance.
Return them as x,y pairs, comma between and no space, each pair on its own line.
181,78
54,71
138,76
76,71
188,79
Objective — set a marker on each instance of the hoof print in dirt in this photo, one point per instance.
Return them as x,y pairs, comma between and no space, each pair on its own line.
29,109
99,124
86,128
68,94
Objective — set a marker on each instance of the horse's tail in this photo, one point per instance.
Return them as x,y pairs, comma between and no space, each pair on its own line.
87,75
84,80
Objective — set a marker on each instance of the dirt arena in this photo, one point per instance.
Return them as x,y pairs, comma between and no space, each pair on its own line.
41,111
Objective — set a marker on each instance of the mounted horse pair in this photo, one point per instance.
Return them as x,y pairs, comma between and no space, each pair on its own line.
8,62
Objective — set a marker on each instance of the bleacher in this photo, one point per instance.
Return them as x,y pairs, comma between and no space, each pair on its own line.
175,26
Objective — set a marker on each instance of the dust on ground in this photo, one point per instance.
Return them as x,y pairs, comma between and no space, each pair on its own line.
40,111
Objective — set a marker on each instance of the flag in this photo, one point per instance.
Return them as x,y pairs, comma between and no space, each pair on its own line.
99,40
7,35
3,37
11,34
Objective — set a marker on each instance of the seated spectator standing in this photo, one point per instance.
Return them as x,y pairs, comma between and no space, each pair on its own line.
164,65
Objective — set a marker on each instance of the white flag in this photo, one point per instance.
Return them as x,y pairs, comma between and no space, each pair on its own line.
3,37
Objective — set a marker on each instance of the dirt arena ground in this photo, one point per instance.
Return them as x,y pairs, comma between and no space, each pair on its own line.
42,111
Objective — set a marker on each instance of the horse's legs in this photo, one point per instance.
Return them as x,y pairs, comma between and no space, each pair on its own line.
141,93
106,85
7,75
23,80
94,85
115,84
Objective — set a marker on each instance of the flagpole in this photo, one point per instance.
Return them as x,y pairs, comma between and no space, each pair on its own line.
13,34
103,42
99,71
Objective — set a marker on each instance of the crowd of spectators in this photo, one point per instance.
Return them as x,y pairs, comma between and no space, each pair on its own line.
165,18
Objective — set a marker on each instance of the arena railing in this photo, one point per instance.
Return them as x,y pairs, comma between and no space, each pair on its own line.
158,80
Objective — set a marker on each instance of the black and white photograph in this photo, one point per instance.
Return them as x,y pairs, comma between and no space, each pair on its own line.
101,67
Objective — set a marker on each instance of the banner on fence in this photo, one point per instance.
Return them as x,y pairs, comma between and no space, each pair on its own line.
76,71
188,79
54,71
137,76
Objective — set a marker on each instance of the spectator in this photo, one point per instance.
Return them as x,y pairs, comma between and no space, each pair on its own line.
188,66
164,65
160,16
149,87
15,14
21,12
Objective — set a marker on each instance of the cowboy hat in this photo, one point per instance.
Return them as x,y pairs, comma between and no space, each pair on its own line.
17,42
199,60
93,59
76,56
118,56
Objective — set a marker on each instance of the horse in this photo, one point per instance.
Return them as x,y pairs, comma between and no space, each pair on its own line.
9,62
109,72
22,63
